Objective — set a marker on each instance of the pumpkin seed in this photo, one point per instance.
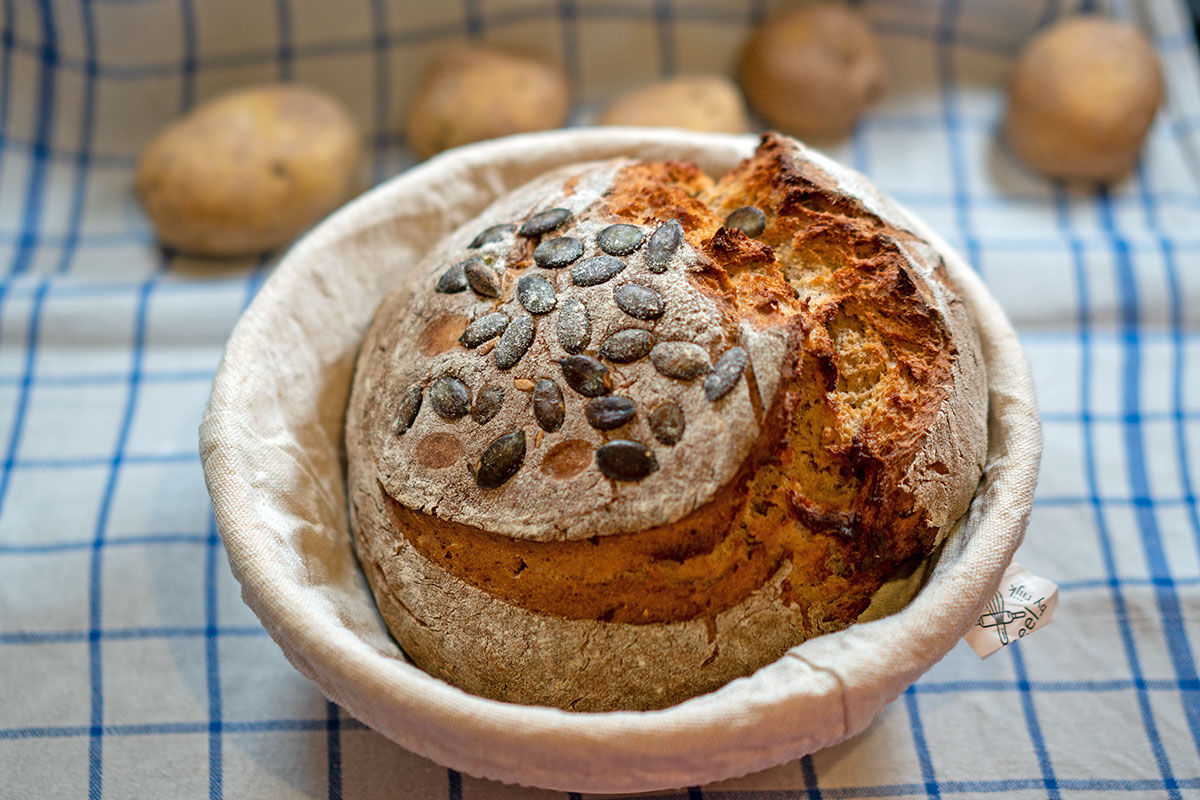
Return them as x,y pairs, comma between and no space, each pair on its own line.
606,413
536,294
586,375
406,409
626,460
667,422
662,245
574,325
500,461
450,398
595,270
484,329
639,302
548,406
514,342
544,222
491,235
452,281
620,239
627,345
725,373
558,252
483,279
683,360
488,402
750,220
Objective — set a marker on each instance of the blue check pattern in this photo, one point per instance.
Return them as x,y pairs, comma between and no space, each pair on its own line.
130,668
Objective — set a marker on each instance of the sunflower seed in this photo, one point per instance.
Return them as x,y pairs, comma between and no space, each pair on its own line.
558,252
620,239
574,325
450,398
501,460
667,423
483,279
548,406
595,270
683,360
606,413
725,373
406,410
514,342
662,246
452,281
639,302
586,375
625,460
627,345
488,402
544,222
491,235
750,220
484,329
536,294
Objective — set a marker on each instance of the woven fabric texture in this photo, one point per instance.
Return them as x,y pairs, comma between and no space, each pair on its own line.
130,667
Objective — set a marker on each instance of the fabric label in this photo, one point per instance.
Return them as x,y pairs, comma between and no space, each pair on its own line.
1021,605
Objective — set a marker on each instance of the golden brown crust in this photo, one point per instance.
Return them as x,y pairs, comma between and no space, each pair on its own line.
864,445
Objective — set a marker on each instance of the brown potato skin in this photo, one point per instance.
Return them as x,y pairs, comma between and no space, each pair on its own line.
246,172
1082,97
813,71
475,92
705,103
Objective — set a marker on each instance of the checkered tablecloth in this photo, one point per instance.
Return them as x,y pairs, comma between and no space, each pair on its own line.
129,667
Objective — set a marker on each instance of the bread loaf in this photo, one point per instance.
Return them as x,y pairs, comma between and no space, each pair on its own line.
631,433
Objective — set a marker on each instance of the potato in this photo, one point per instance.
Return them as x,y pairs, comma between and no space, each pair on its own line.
812,71
707,103
473,92
246,172
1083,95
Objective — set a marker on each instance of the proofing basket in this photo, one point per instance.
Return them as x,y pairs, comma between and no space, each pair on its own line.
272,448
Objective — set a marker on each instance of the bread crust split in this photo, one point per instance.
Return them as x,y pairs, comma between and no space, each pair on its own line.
770,418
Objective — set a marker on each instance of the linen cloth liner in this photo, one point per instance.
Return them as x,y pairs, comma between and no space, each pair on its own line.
272,451
130,667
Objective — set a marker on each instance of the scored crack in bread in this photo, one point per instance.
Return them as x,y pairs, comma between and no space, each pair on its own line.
630,434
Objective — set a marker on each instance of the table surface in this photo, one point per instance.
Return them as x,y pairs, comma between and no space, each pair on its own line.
129,666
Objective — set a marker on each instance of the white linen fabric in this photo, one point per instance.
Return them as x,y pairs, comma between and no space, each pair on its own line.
131,668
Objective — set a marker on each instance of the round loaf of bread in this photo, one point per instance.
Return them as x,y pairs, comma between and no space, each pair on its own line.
632,433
